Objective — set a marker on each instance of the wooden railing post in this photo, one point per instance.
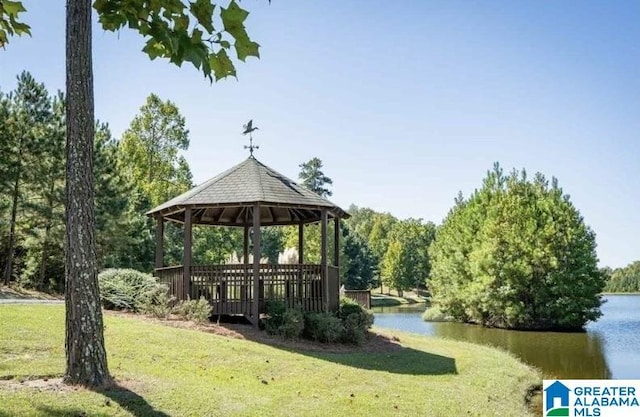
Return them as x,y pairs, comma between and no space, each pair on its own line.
186,261
159,241
255,310
323,259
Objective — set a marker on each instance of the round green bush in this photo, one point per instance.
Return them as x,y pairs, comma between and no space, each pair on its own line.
127,289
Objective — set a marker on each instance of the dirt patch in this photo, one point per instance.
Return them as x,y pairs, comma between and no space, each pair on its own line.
56,384
42,384
375,343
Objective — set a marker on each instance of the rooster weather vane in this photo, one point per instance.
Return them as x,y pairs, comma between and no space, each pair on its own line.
248,129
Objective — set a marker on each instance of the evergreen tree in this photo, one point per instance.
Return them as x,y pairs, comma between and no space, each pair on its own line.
358,262
116,222
516,254
313,178
43,216
25,129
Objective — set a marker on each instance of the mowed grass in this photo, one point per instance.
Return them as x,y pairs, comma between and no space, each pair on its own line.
167,371
390,300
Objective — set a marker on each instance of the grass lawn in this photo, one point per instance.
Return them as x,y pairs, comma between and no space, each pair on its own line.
168,371
389,299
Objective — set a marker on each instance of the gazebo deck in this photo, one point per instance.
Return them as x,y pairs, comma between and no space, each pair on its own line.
230,288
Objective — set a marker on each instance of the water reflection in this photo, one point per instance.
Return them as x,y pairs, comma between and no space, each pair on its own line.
608,349
559,355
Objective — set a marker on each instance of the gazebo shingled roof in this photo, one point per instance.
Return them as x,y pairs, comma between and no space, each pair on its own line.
228,199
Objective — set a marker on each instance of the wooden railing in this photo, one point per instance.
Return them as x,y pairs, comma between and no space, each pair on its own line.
230,287
362,297
172,277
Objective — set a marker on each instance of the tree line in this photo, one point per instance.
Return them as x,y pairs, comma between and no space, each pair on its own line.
626,279
142,169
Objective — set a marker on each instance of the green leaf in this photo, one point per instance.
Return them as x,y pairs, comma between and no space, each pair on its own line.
221,65
12,8
233,18
247,48
21,28
181,23
233,14
203,11
154,49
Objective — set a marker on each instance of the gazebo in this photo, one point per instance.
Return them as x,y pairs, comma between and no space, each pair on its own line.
251,195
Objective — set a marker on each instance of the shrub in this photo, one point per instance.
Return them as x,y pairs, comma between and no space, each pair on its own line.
194,310
126,289
356,321
292,324
284,322
434,313
275,312
158,303
322,327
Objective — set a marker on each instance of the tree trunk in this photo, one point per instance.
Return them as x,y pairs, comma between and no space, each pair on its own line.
8,268
86,355
42,275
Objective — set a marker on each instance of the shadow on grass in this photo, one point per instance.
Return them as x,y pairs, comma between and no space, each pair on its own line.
53,411
131,401
378,353
403,361
7,294
11,293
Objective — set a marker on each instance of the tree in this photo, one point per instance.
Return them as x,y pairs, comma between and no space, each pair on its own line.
149,151
625,279
115,201
44,208
25,125
410,267
170,35
516,254
392,266
358,262
314,179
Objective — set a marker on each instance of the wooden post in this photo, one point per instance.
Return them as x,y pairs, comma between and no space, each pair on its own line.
159,241
245,247
324,265
336,242
244,292
186,254
301,243
256,265
300,261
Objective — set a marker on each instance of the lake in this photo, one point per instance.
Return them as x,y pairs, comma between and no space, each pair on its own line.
608,349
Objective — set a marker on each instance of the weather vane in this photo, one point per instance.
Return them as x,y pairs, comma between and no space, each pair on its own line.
248,129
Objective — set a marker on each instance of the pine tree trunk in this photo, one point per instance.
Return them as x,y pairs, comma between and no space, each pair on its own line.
42,275
86,355
8,268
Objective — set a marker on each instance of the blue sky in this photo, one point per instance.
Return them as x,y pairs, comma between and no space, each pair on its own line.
406,103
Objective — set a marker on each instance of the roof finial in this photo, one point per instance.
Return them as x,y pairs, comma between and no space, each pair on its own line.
249,128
